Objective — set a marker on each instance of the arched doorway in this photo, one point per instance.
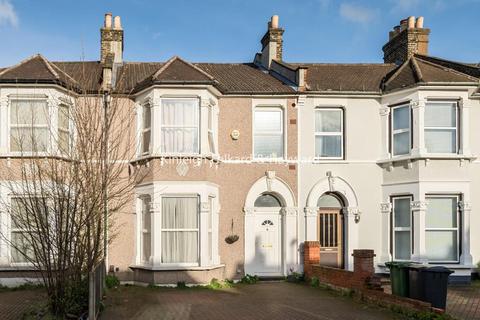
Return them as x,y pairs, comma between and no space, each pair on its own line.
270,228
268,235
330,230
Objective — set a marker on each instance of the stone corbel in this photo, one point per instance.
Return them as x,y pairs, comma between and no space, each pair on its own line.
249,211
464,206
418,205
384,110
386,207
417,103
310,211
204,206
289,211
352,211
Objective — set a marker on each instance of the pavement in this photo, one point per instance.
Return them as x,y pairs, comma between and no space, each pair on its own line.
266,300
13,304
464,302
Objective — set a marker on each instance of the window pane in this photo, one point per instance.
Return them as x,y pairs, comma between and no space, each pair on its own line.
442,212
180,140
328,120
328,146
402,245
401,143
441,141
29,112
180,213
63,141
401,212
180,247
267,200
441,115
401,118
268,121
268,146
147,116
21,248
28,139
441,245
63,116
146,141
329,201
180,112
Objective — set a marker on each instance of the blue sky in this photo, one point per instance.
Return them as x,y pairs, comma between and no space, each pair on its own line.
230,30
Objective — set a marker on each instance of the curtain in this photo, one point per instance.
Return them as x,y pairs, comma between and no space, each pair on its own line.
180,230
180,123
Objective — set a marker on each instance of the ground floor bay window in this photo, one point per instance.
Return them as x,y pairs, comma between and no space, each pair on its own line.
441,231
178,225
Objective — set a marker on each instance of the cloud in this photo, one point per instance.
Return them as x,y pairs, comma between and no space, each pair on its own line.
8,16
409,6
357,14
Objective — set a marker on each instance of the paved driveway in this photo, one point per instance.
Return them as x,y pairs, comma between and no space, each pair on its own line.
13,304
270,300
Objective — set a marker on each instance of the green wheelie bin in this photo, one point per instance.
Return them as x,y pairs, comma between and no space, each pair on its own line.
399,277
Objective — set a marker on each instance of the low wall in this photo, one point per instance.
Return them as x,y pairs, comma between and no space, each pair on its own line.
362,281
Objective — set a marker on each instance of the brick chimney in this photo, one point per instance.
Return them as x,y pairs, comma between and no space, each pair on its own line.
272,44
111,38
405,40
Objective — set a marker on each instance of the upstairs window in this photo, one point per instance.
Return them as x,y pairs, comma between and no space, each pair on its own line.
180,126
146,128
211,134
329,133
29,128
268,133
441,127
63,129
401,130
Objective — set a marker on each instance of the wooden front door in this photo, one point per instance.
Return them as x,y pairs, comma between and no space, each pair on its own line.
330,236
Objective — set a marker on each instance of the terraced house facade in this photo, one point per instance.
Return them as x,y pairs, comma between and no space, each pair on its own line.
246,161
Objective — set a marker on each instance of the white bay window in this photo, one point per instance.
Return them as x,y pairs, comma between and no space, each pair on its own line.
146,129
29,127
180,230
441,127
180,126
146,238
268,140
402,228
401,130
441,230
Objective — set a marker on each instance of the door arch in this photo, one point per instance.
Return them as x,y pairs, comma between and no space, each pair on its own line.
330,230
270,228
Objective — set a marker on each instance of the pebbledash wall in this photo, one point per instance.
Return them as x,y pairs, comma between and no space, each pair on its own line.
218,211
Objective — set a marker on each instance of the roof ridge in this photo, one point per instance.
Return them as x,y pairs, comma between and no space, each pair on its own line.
447,69
416,68
18,64
397,72
422,57
341,64
177,58
49,67
65,74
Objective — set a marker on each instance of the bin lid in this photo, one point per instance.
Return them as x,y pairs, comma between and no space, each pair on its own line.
398,264
417,266
439,269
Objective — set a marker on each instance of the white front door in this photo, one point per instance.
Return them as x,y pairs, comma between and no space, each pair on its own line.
268,254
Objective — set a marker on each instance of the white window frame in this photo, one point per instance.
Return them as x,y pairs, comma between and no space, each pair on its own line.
456,128
211,206
279,109
46,126
145,260
198,127
401,229
398,131
145,130
197,230
321,133
64,130
457,229
211,131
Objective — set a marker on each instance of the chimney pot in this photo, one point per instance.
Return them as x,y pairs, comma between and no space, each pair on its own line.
274,23
108,20
117,24
419,24
411,22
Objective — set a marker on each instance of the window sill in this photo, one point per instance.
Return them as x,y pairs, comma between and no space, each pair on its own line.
18,267
177,268
432,156
146,157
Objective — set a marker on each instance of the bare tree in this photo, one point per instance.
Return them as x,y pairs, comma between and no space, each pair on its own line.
71,176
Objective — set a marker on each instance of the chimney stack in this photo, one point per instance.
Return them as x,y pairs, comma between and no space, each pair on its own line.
406,40
272,44
111,39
